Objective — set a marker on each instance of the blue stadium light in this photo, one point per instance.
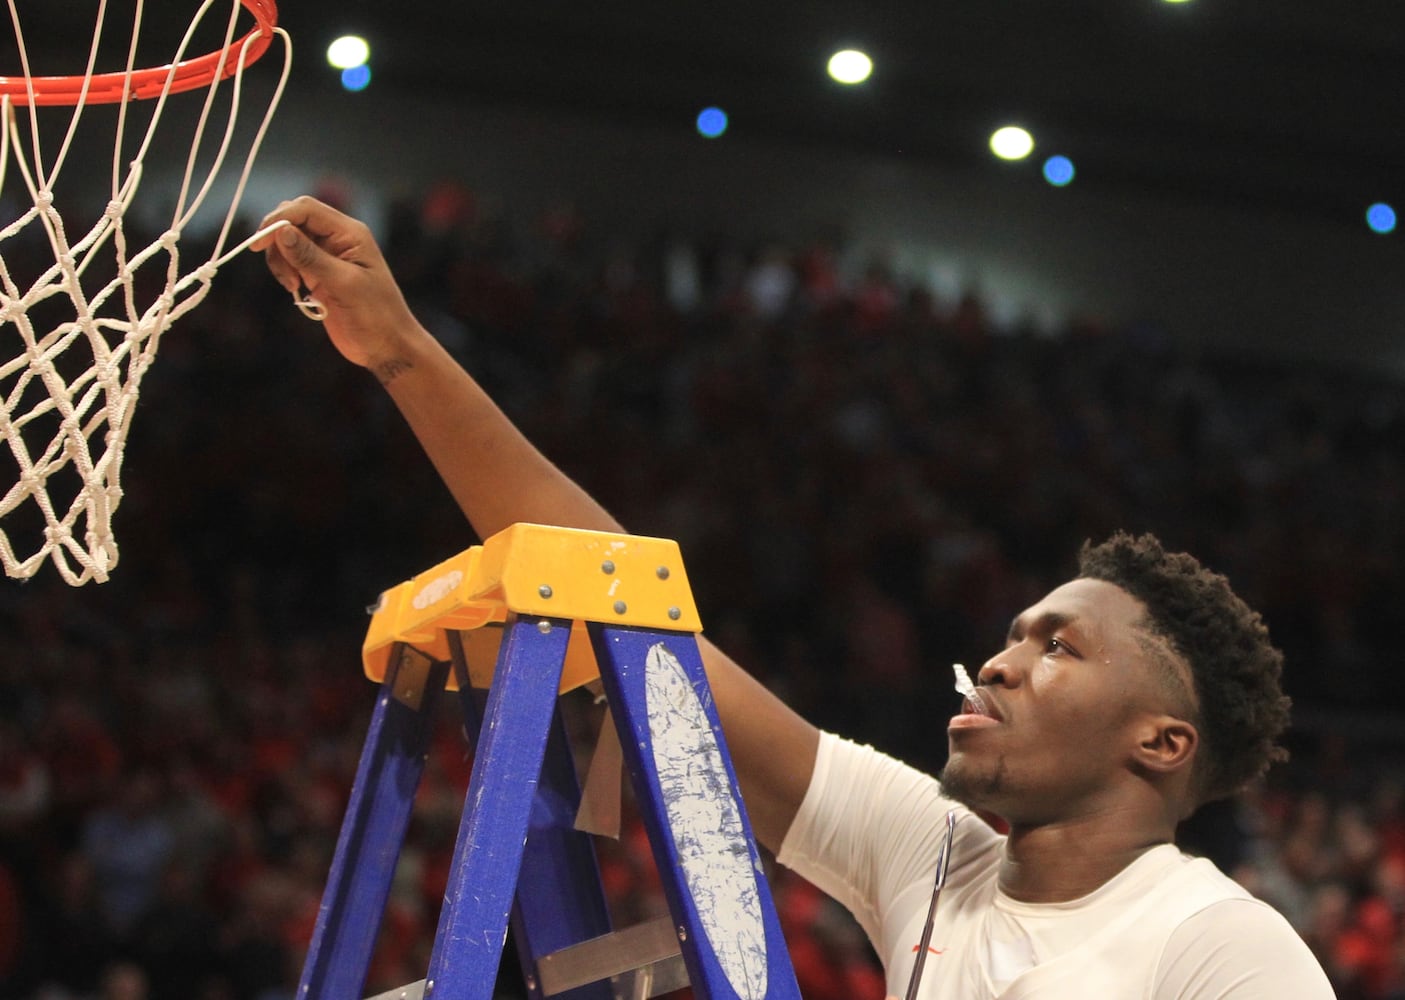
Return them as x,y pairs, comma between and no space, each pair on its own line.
356,77
1381,218
712,122
1058,171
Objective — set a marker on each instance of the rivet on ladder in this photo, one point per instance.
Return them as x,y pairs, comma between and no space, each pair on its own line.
545,591
620,607
607,567
662,572
675,613
544,627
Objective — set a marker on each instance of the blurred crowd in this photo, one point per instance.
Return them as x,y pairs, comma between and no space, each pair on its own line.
867,482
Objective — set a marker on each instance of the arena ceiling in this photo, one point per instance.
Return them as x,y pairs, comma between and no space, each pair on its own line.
1288,104
1298,104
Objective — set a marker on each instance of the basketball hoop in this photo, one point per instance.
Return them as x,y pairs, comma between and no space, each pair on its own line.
141,84
74,343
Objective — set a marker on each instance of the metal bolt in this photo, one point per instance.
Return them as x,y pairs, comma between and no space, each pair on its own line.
620,607
544,590
675,613
662,572
607,567
682,933
531,983
429,986
544,627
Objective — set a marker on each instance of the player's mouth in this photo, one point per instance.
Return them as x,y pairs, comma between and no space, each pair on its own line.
977,709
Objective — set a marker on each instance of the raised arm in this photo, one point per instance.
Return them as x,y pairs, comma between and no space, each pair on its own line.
499,478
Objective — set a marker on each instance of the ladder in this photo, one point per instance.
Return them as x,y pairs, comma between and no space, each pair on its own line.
533,612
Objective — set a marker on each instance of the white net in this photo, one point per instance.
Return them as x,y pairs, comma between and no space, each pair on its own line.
83,308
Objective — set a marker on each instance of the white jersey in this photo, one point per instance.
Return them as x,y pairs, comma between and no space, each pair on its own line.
1167,927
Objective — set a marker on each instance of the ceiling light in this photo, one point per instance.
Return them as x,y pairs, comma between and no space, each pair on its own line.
850,66
1011,143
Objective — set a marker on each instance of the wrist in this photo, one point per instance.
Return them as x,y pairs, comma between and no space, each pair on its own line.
399,353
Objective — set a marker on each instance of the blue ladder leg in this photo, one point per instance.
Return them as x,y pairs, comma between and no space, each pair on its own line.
493,829
566,901
373,829
707,858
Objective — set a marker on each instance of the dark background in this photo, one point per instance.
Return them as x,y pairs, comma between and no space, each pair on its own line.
1291,106
968,375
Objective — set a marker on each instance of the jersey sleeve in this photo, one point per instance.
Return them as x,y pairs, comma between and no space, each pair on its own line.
871,827
1239,949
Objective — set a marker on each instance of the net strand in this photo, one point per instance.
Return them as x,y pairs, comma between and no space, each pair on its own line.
58,420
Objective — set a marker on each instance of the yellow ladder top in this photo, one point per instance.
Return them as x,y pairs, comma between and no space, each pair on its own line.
533,569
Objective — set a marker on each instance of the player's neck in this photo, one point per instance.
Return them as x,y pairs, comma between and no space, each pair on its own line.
1058,862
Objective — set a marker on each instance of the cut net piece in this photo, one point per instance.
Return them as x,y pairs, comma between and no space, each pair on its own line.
82,315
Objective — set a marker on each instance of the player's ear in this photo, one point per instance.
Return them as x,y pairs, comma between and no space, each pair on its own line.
1165,743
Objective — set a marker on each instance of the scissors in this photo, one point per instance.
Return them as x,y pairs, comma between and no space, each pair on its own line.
943,860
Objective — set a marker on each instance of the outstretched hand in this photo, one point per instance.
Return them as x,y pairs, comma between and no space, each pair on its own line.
334,259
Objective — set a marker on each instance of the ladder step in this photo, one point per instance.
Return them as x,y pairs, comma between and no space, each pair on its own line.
644,946
645,961
652,980
411,991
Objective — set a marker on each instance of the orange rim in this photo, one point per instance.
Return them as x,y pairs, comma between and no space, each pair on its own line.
141,84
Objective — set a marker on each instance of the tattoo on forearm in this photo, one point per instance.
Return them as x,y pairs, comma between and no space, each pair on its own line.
389,371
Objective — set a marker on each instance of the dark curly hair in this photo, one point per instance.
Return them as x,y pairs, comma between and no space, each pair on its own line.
1241,709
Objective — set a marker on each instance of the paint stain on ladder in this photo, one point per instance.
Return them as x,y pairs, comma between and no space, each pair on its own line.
707,824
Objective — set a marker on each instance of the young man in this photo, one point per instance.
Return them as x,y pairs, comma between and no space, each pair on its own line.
1120,702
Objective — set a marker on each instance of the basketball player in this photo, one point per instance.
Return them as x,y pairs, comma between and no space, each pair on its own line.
1118,704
